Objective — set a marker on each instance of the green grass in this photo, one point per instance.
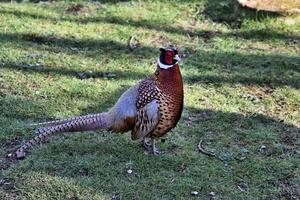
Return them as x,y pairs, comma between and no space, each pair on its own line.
242,92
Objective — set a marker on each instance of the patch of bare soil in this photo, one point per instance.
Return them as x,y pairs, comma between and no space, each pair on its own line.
287,6
75,8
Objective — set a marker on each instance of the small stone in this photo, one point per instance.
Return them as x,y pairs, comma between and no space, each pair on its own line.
263,147
116,197
39,63
9,155
241,189
212,194
194,193
74,49
242,158
20,154
129,171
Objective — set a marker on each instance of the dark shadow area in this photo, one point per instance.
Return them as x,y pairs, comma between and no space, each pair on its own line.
244,129
158,26
109,48
231,13
109,156
243,79
213,67
238,126
249,69
117,74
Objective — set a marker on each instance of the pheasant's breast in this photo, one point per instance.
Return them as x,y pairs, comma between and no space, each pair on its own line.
170,110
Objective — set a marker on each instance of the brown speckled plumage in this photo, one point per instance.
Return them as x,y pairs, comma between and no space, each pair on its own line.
149,109
166,88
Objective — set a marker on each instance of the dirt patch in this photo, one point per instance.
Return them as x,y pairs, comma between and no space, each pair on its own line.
75,8
289,6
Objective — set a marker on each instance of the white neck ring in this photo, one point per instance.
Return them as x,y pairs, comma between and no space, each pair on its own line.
163,66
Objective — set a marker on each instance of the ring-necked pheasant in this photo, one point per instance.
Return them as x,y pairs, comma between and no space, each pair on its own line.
149,109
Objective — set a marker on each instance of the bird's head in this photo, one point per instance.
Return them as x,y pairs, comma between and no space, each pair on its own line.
168,57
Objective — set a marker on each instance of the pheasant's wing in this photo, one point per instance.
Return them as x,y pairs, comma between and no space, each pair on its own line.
146,120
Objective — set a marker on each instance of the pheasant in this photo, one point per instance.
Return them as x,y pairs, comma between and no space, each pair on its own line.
149,109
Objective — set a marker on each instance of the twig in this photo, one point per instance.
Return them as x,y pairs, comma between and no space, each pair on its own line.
130,44
202,150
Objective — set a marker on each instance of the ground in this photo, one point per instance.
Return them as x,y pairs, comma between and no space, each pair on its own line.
242,99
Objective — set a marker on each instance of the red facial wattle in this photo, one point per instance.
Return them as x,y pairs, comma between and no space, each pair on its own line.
169,56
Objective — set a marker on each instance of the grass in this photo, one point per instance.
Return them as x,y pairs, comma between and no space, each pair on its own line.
242,97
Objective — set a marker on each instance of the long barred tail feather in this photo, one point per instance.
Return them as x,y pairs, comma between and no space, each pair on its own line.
83,123
63,121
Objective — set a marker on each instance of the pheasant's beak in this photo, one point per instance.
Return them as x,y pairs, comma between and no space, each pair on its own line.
176,57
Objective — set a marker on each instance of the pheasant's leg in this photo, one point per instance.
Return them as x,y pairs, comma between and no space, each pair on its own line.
147,144
154,149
